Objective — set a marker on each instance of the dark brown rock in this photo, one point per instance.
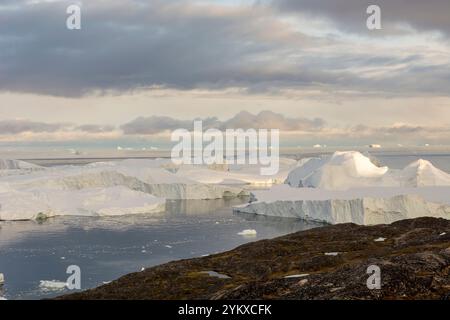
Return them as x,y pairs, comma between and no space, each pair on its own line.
414,261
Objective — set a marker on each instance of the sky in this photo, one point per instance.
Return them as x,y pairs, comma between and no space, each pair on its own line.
139,69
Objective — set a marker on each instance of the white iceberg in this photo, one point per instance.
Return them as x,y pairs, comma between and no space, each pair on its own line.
236,174
369,205
422,173
107,188
348,187
11,164
351,169
43,203
342,170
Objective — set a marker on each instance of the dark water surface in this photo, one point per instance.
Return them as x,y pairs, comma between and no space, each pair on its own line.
107,248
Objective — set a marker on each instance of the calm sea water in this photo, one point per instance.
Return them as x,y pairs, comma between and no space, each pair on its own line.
107,248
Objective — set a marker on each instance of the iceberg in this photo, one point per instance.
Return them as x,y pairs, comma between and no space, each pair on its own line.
349,187
100,189
10,164
342,170
118,200
236,174
365,206
351,169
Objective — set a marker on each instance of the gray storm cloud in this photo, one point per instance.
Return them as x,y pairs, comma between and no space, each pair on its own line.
130,45
348,14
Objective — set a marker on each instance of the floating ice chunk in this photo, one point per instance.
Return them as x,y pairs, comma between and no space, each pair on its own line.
168,246
443,234
248,233
333,254
2,279
380,239
52,285
302,275
216,274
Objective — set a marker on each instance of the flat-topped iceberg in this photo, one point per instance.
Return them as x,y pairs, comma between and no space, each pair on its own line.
107,188
348,187
236,174
36,204
370,205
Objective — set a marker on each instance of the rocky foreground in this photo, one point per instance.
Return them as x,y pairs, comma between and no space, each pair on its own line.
325,263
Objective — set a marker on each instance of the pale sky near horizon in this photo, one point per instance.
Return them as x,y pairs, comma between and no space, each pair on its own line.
163,63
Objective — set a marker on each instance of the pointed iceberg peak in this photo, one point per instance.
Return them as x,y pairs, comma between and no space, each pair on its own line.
342,170
424,173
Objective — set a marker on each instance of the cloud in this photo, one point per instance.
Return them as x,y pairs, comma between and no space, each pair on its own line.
153,125
294,131
243,120
93,128
431,15
20,126
269,47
